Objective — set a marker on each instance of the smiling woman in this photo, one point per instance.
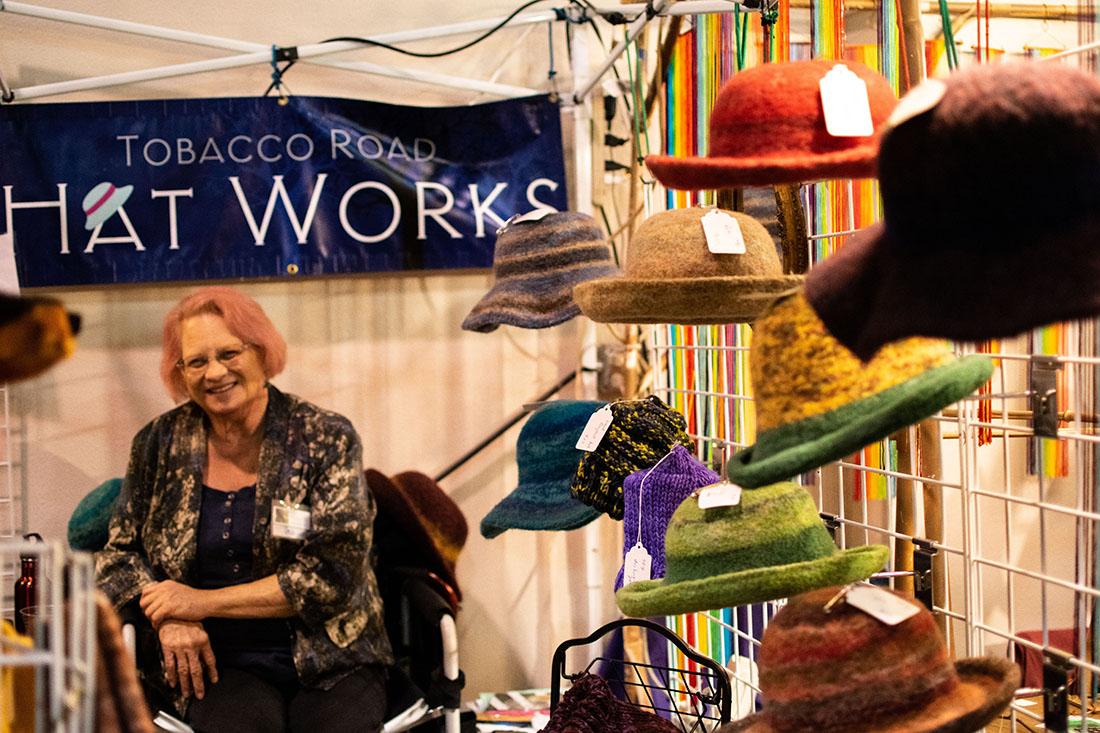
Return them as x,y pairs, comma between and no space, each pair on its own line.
243,534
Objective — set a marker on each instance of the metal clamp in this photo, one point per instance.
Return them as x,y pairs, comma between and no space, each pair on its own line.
1055,686
832,523
1043,392
923,553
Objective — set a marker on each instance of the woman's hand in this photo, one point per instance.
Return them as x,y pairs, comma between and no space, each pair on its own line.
186,650
171,600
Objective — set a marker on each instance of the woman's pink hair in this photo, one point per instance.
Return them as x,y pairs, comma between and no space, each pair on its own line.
243,316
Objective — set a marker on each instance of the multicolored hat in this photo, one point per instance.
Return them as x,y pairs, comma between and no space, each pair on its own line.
971,266
816,402
102,201
418,522
843,670
672,276
547,456
535,266
771,545
768,127
649,499
641,433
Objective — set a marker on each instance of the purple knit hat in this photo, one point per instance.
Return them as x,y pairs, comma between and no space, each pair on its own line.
666,484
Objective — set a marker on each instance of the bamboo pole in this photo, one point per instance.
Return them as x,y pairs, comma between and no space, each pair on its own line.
906,513
996,10
792,227
931,466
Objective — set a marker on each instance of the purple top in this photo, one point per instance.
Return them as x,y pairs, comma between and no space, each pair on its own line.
666,485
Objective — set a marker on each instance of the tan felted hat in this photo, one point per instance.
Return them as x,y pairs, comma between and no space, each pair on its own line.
672,276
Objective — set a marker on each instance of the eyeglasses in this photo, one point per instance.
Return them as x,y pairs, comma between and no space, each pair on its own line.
197,365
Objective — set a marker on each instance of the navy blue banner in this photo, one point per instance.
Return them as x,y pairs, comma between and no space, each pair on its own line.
201,189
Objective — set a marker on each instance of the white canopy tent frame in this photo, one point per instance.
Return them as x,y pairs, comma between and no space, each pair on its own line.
255,53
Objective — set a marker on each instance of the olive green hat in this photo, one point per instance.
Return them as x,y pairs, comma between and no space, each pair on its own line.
771,545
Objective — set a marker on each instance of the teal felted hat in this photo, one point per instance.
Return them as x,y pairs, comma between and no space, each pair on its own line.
547,456
89,522
771,545
816,402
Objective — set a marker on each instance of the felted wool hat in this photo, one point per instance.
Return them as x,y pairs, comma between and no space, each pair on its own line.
991,193
844,670
671,276
768,127
418,522
590,707
547,457
90,521
535,266
641,433
650,497
772,545
816,402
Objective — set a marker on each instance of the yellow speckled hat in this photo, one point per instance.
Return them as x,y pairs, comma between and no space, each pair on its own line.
816,402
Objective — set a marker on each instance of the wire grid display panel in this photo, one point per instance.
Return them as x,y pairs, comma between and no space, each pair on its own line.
1013,518
9,507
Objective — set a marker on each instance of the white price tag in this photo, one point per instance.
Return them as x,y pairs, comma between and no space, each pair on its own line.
845,103
880,603
536,215
637,566
289,522
718,495
917,101
9,278
595,429
723,233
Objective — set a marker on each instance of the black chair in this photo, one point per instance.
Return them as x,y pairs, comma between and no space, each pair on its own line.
694,700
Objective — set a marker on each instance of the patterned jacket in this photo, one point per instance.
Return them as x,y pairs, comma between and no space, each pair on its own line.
309,456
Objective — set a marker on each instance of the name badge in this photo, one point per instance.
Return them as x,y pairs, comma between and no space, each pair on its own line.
289,521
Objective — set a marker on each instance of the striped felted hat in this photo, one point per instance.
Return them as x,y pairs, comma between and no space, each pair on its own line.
771,545
547,456
816,402
844,670
641,433
672,276
651,496
535,266
417,523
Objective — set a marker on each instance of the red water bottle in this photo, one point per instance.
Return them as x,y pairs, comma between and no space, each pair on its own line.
26,588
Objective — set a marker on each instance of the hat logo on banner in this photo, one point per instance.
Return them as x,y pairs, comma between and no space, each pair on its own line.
103,201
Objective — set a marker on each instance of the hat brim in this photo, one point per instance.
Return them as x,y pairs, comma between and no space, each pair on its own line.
391,498
875,290
799,447
504,304
661,597
706,173
705,300
516,511
109,207
986,686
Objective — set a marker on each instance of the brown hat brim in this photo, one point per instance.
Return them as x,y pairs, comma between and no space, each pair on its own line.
986,686
704,300
705,173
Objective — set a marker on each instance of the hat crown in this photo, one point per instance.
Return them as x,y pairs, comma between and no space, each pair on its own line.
673,244
816,668
800,371
1032,130
555,240
547,446
774,110
774,525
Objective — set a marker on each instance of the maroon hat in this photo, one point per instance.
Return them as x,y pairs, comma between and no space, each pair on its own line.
991,189
590,707
768,127
417,523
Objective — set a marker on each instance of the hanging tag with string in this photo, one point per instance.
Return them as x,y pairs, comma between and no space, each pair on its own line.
845,103
638,564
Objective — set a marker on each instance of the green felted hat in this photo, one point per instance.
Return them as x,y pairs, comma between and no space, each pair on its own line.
816,402
672,276
770,546
90,520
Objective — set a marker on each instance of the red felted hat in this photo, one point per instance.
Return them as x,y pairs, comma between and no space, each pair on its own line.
767,127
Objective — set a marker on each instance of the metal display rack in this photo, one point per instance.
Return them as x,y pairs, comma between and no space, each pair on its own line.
64,632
